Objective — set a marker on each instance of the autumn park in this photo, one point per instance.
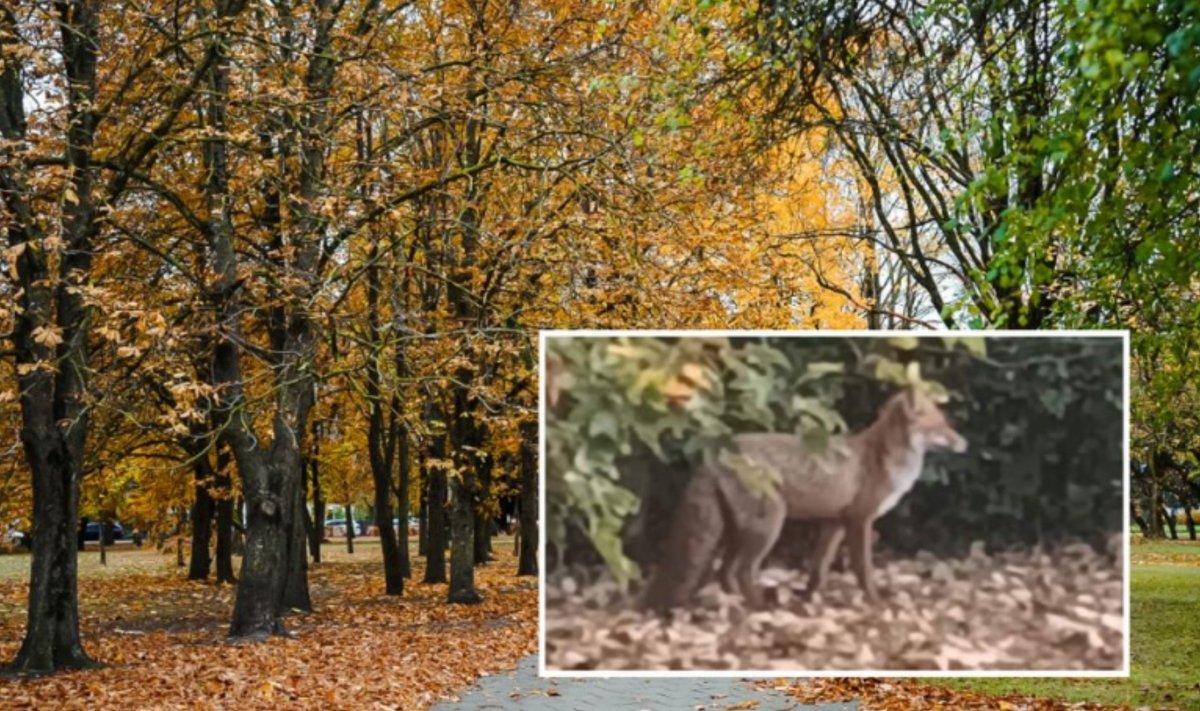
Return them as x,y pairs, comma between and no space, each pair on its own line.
277,386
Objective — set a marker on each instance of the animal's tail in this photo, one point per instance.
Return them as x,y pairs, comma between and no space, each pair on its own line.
687,554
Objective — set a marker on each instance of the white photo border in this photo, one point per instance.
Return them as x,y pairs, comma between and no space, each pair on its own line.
545,335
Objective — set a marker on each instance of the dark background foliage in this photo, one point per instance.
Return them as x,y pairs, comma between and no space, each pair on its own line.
1044,417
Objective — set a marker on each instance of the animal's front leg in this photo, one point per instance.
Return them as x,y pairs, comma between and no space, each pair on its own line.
829,536
859,541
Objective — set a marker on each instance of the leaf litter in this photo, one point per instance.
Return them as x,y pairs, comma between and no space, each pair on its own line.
163,641
1031,610
906,695
163,638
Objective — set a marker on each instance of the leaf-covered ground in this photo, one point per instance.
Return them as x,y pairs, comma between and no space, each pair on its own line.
1033,610
906,695
163,639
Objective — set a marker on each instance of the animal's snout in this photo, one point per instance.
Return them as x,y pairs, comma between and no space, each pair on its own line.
946,438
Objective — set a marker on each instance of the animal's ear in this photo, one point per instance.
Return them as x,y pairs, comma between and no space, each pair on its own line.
910,399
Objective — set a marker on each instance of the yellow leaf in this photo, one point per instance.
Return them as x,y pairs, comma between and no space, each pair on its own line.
679,391
48,336
694,373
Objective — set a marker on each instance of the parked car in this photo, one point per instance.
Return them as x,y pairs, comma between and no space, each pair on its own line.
91,532
337,527
17,539
412,525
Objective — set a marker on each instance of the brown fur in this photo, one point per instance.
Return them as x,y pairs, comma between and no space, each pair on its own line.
856,479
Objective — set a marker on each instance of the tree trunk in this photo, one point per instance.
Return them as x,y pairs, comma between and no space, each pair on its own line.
103,539
225,539
465,444
1171,523
423,510
309,524
52,629
260,588
239,526
350,528
466,434
1154,505
527,564
483,521
393,566
462,541
381,427
295,587
1191,522
435,537
179,529
202,517
317,534
482,543
402,503
400,425
1139,520
393,570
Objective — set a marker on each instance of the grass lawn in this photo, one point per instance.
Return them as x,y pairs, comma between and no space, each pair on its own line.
1165,650
134,568
125,559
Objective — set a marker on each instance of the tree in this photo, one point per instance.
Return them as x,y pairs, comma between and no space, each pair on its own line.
49,168
1120,138
383,435
926,107
50,333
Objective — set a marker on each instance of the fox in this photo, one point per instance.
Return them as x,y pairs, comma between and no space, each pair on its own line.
845,487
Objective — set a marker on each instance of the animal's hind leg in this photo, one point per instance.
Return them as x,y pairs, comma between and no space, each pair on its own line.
695,534
731,563
729,568
727,561
723,559
754,542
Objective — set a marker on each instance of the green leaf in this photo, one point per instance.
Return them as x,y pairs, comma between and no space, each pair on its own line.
604,423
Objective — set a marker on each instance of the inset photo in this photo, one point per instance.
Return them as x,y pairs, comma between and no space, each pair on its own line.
874,503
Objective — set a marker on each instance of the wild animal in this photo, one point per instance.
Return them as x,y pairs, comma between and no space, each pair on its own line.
852,481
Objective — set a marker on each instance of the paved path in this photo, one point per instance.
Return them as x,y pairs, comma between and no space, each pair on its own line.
522,689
